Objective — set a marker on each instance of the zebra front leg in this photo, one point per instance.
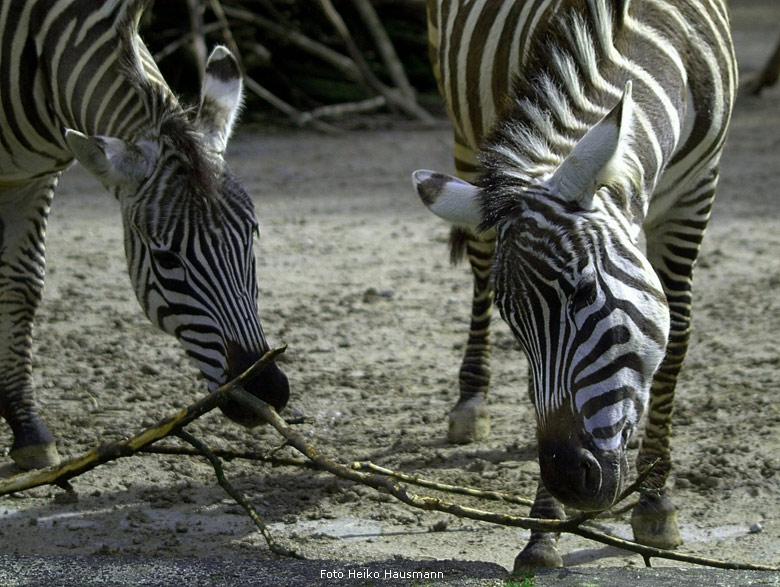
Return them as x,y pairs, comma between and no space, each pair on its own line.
541,549
672,250
469,420
654,518
23,215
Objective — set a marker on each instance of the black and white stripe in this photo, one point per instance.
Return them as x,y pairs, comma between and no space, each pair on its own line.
585,124
77,81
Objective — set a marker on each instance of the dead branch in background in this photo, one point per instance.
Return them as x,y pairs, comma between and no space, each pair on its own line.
394,96
385,46
198,36
353,66
297,116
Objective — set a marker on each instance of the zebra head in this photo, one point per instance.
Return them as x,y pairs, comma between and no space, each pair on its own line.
580,298
189,232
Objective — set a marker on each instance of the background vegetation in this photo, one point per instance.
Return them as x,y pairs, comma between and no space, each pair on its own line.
311,60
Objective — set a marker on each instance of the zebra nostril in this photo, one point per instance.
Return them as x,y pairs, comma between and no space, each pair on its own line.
579,468
591,471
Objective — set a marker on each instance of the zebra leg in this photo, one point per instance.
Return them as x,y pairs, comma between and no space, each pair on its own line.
23,215
541,550
672,249
469,420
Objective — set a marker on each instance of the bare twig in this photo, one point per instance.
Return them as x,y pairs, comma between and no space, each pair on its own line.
183,40
300,118
273,459
381,479
337,110
229,455
127,447
239,497
393,96
198,38
443,487
385,47
296,115
340,62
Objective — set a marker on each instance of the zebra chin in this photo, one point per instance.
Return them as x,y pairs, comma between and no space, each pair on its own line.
580,475
270,385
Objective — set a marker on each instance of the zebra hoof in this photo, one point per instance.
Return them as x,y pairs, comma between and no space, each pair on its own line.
469,422
535,555
36,456
654,522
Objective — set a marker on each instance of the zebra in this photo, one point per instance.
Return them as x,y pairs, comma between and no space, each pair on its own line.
78,82
579,126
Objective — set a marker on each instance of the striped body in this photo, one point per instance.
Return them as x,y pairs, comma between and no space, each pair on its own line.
585,124
77,81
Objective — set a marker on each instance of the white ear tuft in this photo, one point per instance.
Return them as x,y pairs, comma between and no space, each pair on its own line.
448,197
577,178
113,161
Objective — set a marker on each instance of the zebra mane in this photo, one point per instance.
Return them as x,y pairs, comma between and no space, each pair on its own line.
549,110
171,122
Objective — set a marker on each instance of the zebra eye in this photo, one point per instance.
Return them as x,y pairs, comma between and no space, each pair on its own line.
165,259
584,295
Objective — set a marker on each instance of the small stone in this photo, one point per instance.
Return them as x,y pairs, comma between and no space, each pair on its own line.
149,370
439,526
66,497
756,528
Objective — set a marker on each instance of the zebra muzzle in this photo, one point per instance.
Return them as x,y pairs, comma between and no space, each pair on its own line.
588,480
270,385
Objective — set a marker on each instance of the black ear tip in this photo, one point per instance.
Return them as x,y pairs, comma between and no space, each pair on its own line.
222,64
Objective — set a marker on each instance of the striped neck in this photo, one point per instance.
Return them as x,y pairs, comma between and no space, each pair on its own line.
99,78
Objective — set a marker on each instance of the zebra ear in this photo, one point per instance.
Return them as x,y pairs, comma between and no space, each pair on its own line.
448,197
220,98
588,165
113,161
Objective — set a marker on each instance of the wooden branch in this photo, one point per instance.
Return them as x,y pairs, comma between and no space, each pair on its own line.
300,118
261,92
239,497
127,447
265,457
340,62
354,69
381,479
393,96
183,40
198,39
338,110
389,484
385,46
443,487
229,455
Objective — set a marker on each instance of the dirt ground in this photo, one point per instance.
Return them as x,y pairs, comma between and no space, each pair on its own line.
355,278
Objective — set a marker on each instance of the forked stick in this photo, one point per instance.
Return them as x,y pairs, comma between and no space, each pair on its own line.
58,474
